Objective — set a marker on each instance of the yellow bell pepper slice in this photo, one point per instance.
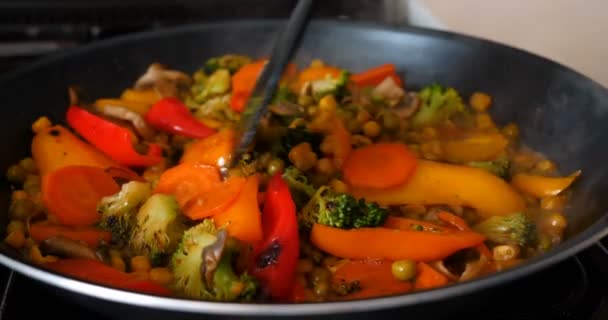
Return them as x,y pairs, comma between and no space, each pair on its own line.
436,183
541,186
56,147
148,96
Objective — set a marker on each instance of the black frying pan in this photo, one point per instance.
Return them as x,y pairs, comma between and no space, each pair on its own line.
560,112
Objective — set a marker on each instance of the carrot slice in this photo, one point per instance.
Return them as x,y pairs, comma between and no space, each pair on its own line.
100,273
186,180
243,218
72,193
374,76
392,244
214,150
380,165
374,276
211,201
428,278
41,231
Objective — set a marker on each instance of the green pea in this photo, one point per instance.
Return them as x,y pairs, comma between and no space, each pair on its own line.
320,274
28,165
322,288
404,270
16,174
275,165
31,185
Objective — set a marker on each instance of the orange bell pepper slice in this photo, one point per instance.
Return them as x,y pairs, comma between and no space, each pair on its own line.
375,278
540,186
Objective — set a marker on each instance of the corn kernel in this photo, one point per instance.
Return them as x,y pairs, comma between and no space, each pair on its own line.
162,276
338,186
140,263
40,124
480,101
15,239
371,129
328,103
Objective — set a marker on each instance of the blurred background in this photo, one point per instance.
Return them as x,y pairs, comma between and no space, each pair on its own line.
566,31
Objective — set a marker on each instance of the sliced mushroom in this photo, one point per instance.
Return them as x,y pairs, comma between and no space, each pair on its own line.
65,247
408,106
135,118
212,255
166,82
286,108
474,268
440,266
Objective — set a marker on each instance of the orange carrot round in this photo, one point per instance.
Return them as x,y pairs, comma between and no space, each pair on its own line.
392,244
214,200
380,165
186,180
72,193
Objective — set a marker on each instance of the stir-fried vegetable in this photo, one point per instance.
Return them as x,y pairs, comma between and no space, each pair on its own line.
355,186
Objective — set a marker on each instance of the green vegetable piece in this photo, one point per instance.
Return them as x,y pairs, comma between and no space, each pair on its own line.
514,229
323,87
231,62
499,167
340,210
204,251
158,227
437,104
118,210
404,270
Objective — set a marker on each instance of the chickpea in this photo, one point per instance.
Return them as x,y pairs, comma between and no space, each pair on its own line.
302,156
15,239
358,140
16,174
545,166
40,124
505,252
15,225
28,165
511,131
140,264
484,121
338,186
325,166
162,276
371,129
328,104
362,116
480,101
390,121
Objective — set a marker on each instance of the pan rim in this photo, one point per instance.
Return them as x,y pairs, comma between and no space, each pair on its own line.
565,250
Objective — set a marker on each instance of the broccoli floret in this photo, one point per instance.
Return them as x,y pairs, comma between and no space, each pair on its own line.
301,189
202,266
329,85
231,62
437,104
516,228
499,167
158,227
340,210
118,210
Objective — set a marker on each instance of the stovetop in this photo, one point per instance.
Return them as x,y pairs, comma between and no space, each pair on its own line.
576,289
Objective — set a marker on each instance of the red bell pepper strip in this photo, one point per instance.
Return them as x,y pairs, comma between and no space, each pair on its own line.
100,273
274,260
374,76
111,139
172,116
